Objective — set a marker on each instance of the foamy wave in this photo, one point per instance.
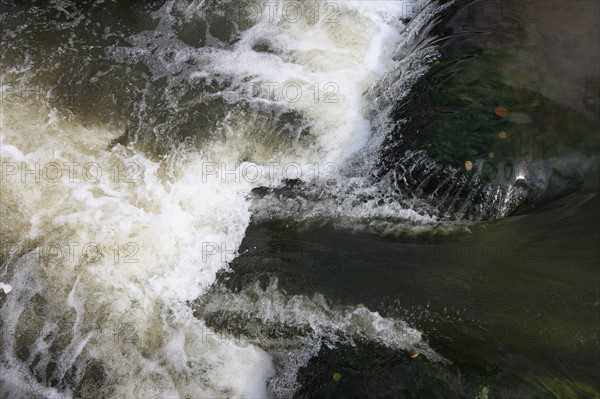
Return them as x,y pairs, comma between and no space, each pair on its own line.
112,243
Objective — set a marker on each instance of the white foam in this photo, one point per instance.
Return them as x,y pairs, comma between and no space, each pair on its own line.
347,59
163,237
261,310
165,226
5,287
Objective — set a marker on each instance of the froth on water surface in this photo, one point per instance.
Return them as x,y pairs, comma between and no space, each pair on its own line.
110,115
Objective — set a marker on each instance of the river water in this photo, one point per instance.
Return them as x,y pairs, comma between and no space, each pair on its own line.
289,199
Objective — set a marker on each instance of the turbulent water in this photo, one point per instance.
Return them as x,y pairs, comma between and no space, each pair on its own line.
139,140
132,138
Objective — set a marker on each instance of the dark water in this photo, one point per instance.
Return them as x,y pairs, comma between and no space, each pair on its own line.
513,304
471,213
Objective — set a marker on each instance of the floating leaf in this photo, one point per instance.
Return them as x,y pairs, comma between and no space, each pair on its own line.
501,111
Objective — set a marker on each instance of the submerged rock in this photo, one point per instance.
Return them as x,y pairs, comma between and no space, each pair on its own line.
484,132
